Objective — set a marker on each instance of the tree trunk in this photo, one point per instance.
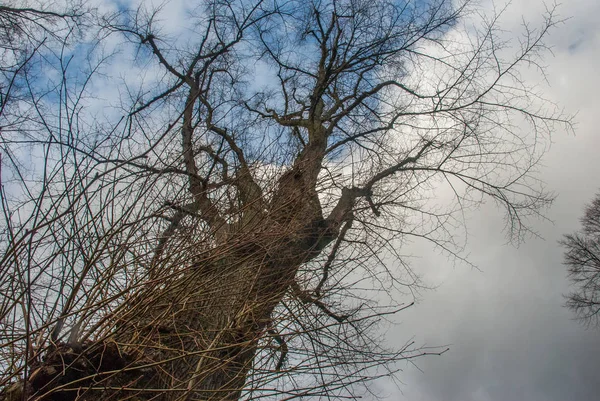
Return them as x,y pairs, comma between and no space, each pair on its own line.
195,336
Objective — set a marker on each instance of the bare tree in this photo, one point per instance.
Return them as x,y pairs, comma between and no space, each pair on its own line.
582,258
218,238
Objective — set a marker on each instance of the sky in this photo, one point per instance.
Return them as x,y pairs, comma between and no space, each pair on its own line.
509,335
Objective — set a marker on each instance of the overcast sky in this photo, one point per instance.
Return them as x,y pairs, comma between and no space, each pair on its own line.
510,338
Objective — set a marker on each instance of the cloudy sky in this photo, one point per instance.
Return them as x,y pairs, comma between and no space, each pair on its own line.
509,336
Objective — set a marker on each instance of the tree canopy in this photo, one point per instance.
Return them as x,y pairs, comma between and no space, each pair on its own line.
582,258
216,212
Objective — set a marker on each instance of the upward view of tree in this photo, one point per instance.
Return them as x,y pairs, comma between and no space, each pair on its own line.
226,225
582,258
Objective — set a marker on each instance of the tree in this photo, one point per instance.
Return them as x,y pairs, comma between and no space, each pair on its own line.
582,258
209,237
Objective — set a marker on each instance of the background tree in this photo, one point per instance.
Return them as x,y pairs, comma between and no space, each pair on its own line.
582,258
229,227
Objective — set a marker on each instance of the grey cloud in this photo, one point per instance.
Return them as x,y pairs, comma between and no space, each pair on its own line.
511,338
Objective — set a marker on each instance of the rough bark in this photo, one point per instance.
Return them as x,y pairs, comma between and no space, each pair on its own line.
195,335
201,331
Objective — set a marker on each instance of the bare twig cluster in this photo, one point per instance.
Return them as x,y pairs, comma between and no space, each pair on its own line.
582,258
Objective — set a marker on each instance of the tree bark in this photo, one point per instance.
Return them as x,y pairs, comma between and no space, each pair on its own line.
195,335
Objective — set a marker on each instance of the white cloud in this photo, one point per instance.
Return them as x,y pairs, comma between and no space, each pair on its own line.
511,338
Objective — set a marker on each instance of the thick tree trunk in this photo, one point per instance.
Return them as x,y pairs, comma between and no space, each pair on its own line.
193,337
